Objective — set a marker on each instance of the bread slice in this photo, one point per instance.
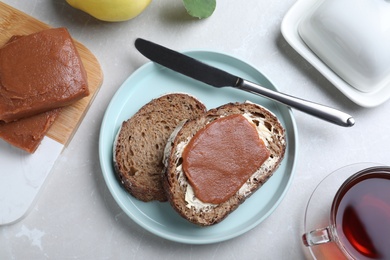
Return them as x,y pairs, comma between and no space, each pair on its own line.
140,143
179,191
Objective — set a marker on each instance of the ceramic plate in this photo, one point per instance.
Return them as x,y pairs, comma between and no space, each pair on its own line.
290,32
151,81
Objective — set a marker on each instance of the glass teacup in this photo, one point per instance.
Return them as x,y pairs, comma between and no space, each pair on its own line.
357,225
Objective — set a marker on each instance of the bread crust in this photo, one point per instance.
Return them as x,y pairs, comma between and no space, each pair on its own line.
175,182
139,146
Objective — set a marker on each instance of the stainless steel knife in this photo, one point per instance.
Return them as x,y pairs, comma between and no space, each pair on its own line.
218,78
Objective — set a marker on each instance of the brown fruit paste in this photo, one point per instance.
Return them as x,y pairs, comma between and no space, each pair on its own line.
221,157
40,72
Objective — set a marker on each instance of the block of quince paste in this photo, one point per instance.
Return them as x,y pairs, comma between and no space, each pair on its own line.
27,133
40,72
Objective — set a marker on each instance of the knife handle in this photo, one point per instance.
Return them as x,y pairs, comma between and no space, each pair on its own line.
323,112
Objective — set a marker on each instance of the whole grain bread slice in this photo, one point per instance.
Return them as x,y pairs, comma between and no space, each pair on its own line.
139,145
179,191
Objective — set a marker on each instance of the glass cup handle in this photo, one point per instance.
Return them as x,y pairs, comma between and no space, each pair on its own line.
317,237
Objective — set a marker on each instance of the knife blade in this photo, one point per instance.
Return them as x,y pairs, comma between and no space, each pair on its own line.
210,75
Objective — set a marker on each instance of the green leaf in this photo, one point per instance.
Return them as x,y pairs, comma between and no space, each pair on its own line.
200,8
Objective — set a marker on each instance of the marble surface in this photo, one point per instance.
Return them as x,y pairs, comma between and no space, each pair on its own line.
76,217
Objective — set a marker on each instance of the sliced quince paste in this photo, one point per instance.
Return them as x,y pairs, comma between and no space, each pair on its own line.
40,72
27,133
222,156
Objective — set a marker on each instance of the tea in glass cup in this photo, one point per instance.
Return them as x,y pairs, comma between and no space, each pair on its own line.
359,221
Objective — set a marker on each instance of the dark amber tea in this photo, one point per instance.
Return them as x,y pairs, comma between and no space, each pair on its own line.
361,213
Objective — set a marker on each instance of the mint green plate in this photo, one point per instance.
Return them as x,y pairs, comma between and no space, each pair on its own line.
151,81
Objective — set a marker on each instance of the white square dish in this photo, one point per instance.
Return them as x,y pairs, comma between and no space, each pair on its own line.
354,44
290,31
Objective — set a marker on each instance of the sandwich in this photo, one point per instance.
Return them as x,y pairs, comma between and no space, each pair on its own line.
214,162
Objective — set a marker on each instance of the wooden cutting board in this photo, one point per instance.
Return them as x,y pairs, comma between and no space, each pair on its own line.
22,175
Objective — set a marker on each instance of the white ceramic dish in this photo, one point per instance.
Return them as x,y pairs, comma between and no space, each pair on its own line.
354,44
290,32
151,81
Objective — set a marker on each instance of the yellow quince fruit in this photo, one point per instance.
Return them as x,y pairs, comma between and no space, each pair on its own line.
111,10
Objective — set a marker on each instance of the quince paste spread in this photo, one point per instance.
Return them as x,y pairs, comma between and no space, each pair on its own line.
27,133
40,72
222,156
